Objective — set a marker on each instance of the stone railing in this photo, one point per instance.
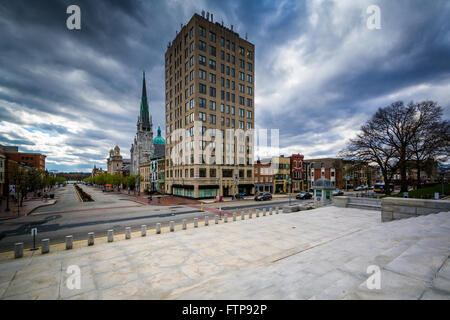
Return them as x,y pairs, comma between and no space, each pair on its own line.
354,202
401,208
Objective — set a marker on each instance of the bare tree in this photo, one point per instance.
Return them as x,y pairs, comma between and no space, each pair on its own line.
430,142
372,145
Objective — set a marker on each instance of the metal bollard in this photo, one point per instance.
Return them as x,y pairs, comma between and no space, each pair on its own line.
264,212
127,233
69,242
45,248
234,216
225,218
195,222
206,221
90,239
158,228
216,219
242,215
110,235
143,230
18,250
184,224
172,226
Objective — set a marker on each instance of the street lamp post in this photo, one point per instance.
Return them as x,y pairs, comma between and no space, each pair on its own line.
7,183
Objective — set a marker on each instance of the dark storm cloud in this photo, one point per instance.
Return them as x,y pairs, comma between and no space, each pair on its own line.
83,87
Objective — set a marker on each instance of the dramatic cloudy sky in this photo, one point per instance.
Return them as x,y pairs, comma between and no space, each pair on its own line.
320,72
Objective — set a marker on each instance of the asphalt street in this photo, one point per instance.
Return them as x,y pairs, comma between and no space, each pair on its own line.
71,217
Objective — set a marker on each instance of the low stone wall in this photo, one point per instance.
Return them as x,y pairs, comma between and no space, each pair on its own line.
401,208
353,202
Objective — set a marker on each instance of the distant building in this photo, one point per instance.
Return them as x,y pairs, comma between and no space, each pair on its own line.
33,160
328,168
142,147
282,173
297,173
96,171
145,171
114,161
263,176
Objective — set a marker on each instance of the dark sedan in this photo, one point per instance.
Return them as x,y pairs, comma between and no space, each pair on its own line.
303,196
263,196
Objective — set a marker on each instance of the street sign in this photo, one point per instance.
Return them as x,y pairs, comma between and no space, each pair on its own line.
236,178
34,232
12,190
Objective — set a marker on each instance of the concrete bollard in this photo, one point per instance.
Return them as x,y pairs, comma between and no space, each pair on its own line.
184,224
172,226
234,216
250,214
257,213
143,230
127,233
216,219
264,212
278,211
206,220
18,250
225,218
45,248
270,211
69,242
158,228
110,235
195,222
90,239
242,215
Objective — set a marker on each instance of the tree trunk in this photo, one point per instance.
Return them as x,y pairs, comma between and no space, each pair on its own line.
404,181
419,182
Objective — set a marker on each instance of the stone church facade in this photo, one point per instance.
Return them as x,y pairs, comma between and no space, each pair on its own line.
142,148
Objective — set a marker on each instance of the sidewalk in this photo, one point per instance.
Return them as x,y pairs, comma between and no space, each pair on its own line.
28,206
157,200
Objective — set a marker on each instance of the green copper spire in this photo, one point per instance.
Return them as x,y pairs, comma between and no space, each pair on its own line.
144,113
159,139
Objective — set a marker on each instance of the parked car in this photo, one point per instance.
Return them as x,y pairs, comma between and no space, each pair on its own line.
338,193
303,196
263,196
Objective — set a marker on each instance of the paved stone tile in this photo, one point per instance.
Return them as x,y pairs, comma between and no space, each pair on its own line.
319,254
393,286
432,294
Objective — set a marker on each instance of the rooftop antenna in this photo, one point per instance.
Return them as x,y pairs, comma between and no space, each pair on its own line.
207,16
246,36
231,27
222,23
203,13
212,18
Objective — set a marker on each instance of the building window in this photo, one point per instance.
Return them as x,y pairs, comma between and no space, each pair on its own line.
212,64
202,74
212,51
202,31
212,37
202,45
202,60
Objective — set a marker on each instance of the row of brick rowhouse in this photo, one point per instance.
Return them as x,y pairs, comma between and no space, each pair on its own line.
295,174
11,159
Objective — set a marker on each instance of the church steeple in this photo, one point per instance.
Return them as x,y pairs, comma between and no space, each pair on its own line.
144,117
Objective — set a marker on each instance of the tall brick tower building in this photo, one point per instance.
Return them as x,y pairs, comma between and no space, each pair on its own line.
209,90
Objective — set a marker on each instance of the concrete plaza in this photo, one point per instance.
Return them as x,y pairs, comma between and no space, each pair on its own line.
315,254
